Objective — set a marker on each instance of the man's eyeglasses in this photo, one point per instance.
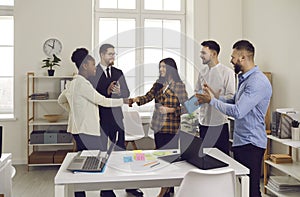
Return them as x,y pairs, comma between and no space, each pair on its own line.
111,54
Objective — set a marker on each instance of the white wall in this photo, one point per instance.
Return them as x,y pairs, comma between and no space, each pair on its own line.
35,21
273,26
218,20
270,24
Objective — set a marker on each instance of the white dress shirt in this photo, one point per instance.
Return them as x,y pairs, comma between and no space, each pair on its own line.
219,77
104,69
81,100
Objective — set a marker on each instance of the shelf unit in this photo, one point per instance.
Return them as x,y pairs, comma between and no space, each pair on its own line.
291,169
37,108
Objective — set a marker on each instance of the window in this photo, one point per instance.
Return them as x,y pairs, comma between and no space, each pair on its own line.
6,59
143,32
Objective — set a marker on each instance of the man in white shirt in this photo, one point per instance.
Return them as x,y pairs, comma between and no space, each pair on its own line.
214,124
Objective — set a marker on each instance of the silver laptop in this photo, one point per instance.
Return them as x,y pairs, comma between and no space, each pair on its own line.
91,163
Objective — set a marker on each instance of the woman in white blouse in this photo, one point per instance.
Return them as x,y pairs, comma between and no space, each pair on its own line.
81,100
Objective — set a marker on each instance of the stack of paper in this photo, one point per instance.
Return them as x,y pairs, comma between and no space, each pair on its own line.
281,158
284,184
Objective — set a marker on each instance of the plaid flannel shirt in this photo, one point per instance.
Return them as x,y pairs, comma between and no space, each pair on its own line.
173,96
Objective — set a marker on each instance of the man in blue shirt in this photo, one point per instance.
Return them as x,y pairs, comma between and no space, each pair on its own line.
248,107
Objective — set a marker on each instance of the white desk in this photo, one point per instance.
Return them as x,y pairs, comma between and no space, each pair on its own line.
6,174
118,176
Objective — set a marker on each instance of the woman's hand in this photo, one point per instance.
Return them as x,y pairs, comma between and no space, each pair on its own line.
165,110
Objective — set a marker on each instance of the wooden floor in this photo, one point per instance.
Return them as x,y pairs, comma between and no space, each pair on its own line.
39,182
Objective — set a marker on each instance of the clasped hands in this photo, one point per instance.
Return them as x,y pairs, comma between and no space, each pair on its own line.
162,109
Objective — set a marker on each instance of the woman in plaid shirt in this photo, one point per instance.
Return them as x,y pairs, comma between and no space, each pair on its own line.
169,93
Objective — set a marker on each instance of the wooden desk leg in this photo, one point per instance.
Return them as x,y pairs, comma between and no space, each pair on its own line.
1,195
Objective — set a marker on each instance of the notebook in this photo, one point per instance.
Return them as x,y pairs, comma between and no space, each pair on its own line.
192,103
85,162
192,152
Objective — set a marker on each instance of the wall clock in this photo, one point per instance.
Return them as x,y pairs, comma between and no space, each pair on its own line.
52,46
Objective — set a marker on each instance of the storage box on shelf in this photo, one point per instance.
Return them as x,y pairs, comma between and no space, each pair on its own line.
47,139
290,169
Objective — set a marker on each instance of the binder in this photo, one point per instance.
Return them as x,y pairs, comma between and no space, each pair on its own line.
192,103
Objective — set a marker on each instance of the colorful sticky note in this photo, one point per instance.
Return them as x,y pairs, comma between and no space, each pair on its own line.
127,159
140,157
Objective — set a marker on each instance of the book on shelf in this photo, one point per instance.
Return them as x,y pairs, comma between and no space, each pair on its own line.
284,183
281,158
39,96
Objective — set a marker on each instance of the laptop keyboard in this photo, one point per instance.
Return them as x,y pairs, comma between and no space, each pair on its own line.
91,163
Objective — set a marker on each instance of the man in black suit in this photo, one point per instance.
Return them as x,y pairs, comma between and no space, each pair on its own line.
110,82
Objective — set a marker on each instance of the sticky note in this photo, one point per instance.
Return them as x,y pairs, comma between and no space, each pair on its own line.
139,156
127,159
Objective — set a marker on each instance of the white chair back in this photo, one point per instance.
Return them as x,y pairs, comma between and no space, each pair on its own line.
133,125
203,183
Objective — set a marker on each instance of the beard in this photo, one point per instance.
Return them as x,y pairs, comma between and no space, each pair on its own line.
111,63
204,62
237,68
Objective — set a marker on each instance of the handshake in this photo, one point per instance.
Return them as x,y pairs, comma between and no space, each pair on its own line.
130,101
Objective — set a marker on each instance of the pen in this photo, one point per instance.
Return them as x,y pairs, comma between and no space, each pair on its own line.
147,164
155,165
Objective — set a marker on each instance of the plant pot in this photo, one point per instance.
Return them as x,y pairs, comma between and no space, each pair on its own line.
50,72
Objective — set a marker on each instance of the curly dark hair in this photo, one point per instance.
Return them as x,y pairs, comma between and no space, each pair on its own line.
81,56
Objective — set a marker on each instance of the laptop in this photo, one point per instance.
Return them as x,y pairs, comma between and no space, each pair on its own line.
91,163
192,152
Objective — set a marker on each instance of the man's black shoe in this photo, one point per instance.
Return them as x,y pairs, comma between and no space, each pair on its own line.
135,192
107,193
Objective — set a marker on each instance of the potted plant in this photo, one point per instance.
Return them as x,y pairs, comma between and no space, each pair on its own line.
50,62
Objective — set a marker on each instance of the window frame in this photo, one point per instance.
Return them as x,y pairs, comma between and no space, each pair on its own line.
6,10
140,14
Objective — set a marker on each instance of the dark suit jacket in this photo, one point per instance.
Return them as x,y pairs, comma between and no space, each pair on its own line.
101,83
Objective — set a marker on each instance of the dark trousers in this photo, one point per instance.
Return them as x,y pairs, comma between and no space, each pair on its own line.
80,147
215,136
166,140
109,130
251,156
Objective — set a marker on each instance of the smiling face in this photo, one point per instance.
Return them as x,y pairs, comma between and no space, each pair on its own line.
236,61
205,55
162,69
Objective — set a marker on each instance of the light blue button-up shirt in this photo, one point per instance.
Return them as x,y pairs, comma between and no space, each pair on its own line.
248,107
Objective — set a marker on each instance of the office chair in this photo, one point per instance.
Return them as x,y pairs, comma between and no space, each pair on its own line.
150,133
203,183
133,127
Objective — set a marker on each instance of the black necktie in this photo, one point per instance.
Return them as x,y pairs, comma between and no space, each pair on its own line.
107,72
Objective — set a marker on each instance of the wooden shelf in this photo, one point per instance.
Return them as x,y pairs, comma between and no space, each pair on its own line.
50,77
42,101
56,144
283,194
42,122
288,142
45,164
292,169
36,108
